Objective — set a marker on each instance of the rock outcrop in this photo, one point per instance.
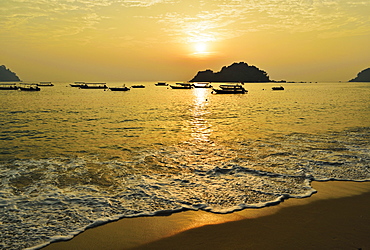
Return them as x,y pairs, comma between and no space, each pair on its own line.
7,76
363,76
237,72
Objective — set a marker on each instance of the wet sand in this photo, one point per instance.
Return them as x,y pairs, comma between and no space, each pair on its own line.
336,217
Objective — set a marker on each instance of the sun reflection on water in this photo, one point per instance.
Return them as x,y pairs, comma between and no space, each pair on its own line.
200,128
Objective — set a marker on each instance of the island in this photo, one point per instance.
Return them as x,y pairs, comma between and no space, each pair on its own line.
363,76
7,76
236,72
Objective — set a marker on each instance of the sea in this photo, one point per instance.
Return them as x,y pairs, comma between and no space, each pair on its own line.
73,159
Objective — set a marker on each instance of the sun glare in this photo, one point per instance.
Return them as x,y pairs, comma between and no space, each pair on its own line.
200,48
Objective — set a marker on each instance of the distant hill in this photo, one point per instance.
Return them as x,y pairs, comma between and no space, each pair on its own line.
237,72
363,76
7,76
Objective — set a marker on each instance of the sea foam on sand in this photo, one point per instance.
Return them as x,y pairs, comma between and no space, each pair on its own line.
336,217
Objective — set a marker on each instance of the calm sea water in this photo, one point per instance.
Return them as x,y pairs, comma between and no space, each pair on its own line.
75,158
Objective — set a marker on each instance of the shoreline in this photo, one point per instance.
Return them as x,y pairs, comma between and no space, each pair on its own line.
335,217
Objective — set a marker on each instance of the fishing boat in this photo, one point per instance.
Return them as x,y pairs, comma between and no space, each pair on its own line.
45,84
77,84
138,86
123,88
94,85
230,89
29,87
8,86
182,86
278,88
202,85
161,84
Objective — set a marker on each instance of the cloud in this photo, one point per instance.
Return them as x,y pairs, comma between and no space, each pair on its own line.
144,3
85,14
54,19
187,20
227,19
306,15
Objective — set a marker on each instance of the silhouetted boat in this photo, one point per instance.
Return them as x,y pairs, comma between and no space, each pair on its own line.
138,86
93,86
202,85
230,89
45,84
182,86
278,88
77,84
29,87
161,84
9,86
123,88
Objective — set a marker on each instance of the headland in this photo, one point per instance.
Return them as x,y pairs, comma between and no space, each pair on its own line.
6,75
363,76
236,72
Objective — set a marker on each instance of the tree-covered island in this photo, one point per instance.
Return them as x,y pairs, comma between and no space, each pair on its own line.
7,76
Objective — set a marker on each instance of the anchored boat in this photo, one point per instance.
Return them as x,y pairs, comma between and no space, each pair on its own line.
123,88
140,86
230,89
45,84
182,86
77,84
98,85
161,84
8,86
278,88
29,87
202,85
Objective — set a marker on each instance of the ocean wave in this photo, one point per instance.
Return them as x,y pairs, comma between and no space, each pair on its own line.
46,200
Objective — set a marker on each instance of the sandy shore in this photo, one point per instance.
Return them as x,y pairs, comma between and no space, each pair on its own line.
337,217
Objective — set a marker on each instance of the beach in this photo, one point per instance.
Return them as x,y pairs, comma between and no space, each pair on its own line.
336,217
155,125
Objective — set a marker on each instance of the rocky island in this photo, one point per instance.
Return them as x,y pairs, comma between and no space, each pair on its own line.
7,76
363,76
236,72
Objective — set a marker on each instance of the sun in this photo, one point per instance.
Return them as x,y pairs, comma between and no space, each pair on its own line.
200,48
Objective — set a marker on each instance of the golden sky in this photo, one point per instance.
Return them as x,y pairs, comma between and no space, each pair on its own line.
153,40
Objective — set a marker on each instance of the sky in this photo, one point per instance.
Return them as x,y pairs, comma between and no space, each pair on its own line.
171,40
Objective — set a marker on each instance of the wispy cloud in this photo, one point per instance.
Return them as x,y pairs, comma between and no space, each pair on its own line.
143,3
60,17
227,19
188,20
